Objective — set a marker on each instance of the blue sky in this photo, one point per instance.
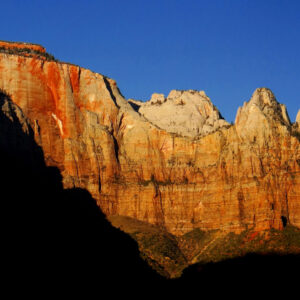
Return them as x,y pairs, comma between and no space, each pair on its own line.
227,48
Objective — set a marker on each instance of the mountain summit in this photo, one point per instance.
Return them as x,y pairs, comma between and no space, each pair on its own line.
187,113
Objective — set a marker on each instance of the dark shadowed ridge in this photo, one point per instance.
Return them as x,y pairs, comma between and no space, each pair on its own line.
253,276
58,240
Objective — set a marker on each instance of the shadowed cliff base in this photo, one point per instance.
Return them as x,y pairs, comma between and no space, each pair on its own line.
55,237
275,267
199,256
252,274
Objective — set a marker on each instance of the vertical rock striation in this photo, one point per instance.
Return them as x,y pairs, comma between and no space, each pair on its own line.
173,162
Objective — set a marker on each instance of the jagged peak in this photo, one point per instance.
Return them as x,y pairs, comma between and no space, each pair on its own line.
263,96
157,98
298,117
264,102
187,94
184,112
178,97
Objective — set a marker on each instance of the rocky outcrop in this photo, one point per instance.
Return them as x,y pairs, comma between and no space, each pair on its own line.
187,113
22,46
25,49
261,114
298,118
172,162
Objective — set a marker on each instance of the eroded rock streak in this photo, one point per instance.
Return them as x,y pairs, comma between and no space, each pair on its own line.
181,173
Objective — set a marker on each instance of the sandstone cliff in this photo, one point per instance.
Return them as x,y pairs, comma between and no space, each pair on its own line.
194,171
60,235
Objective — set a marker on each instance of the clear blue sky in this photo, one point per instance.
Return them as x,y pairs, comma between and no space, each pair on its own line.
226,47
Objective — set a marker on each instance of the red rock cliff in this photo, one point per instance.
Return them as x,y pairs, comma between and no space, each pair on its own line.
236,177
22,46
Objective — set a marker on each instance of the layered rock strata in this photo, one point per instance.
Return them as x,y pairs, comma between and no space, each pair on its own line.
198,172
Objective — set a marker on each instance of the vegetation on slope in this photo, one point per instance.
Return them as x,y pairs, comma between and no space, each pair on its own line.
28,52
158,247
170,255
214,246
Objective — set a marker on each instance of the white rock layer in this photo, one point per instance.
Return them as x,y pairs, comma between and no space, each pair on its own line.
187,113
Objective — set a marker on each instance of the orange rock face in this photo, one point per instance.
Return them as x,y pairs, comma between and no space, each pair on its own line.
12,45
242,176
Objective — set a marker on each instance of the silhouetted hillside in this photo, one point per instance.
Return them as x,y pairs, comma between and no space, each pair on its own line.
279,268
55,237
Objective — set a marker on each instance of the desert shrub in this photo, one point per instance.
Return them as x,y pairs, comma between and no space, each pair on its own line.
28,52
